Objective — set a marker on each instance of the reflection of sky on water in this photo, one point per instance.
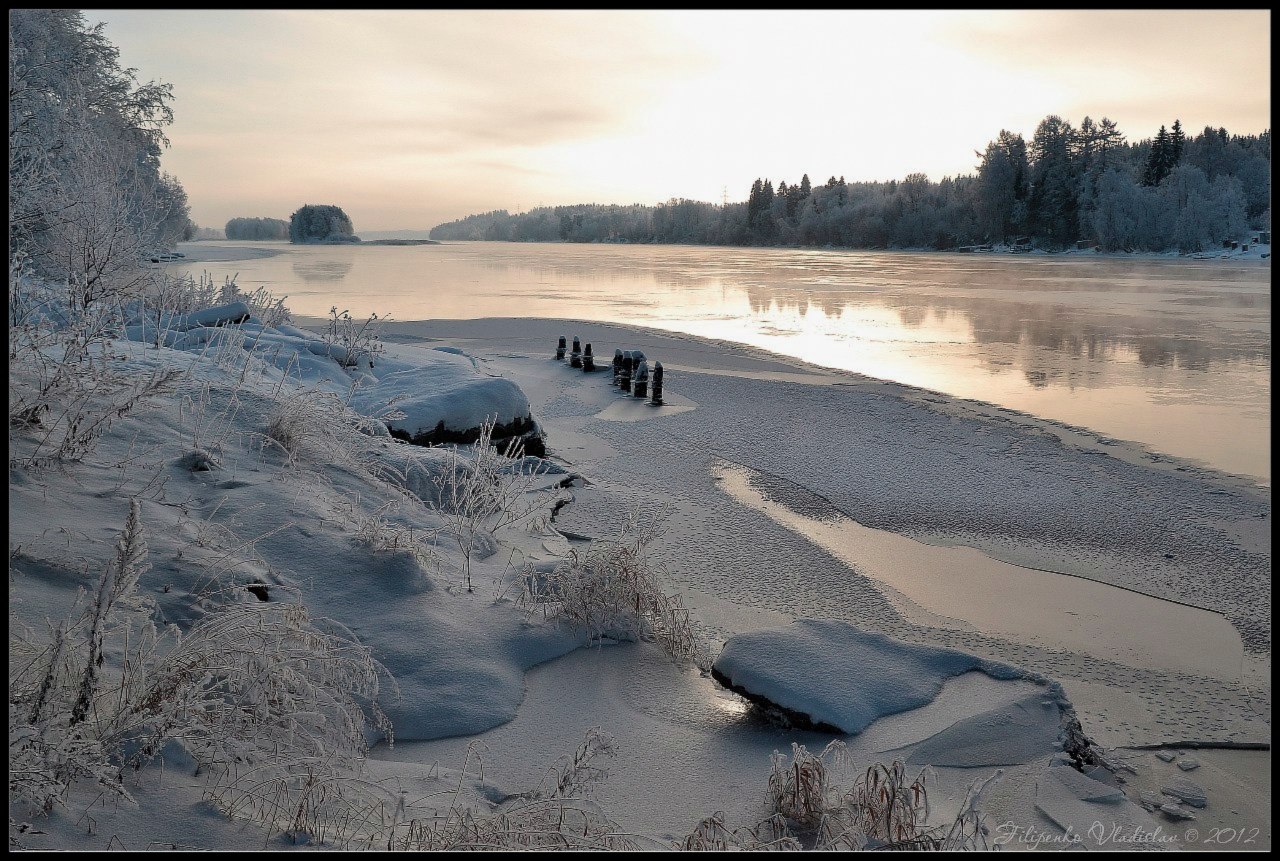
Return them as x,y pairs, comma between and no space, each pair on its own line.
1175,354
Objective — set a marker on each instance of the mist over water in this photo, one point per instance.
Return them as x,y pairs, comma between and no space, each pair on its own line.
1174,354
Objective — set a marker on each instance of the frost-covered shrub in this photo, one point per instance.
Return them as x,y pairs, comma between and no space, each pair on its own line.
64,389
713,834
477,492
883,809
798,788
320,426
556,815
351,343
253,692
613,590
385,535
165,308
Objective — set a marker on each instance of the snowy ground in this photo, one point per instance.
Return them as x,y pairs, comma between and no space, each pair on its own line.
1030,493
473,667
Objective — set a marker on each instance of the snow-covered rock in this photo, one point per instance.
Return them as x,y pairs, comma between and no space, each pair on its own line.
448,393
837,678
422,396
220,315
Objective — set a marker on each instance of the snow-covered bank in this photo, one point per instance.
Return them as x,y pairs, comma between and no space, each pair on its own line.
326,521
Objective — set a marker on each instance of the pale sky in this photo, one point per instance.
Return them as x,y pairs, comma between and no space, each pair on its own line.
408,119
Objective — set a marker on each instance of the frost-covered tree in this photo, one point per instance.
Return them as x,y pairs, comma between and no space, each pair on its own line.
87,198
1159,160
1053,203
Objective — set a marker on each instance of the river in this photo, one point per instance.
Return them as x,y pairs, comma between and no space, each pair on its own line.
1174,354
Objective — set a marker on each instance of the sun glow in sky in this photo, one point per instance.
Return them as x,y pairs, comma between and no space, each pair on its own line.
408,119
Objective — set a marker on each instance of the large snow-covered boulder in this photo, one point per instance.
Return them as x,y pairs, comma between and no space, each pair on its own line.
446,394
834,677
428,397
220,315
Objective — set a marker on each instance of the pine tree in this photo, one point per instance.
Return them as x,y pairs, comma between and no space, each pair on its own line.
763,223
805,187
1158,161
1052,203
1109,138
753,200
1177,140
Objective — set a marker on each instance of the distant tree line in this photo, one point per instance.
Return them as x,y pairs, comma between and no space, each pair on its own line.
321,223
257,229
1064,186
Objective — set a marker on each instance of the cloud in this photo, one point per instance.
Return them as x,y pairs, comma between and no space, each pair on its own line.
289,100
1142,68
421,117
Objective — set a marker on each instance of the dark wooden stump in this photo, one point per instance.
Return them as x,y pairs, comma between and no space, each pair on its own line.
656,398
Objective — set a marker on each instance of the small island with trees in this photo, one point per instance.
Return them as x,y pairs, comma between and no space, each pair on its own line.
321,224
311,224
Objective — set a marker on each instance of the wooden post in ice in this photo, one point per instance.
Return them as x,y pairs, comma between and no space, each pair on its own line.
560,350
640,388
656,399
575,358
617,365
628,364
588,360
